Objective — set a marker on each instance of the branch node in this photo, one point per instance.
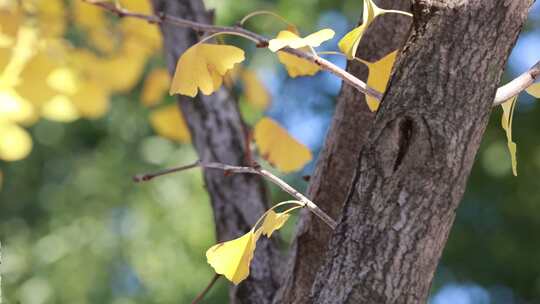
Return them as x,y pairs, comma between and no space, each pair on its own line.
262,44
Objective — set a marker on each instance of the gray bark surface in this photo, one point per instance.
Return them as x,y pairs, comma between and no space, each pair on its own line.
218,135
412,170
333,177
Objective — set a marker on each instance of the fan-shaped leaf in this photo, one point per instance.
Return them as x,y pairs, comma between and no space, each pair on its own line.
203,66
278,147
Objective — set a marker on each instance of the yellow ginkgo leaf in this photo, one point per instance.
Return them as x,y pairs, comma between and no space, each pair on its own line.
14,108
155,86
379,74
277,146
296,66
273,221
87,15
232,258
506,123
63,80
534,90
15,142
349,43
256,93
290,39
203,66
91,100
60,108
169,122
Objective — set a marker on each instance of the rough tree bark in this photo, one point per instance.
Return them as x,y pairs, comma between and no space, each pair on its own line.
218,135
414,165
333,176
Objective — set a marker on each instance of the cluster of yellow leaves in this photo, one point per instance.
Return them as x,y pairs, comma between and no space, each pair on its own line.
349,43
379,71
232,258
44,75
204,67
169,122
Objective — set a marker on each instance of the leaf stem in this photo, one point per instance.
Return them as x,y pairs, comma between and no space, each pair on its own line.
263,12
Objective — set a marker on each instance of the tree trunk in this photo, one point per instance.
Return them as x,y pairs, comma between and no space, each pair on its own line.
414,164
218,135
332,180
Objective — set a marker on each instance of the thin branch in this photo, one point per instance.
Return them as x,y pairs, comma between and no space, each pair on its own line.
517,85
504,93
147,177
201,295
260,40
249,170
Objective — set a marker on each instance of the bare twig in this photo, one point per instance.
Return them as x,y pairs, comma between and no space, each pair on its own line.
249,170
517,85
260,40
201,295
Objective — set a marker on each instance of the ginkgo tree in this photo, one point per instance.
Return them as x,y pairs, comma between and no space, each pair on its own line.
413,155
406,143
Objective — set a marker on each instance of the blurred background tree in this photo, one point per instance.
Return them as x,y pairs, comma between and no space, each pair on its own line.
83,108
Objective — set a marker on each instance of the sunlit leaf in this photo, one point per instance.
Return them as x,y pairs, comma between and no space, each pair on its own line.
146,34
349,43
122,72
15,142
296,66
534,90
104,39
91,100
63,80
87,15
379,75
23,51
5,40
33,85
277,146
155,86
290,39
273,221
203,66
168,122
254,89
14,108
60,108
506,123
232,258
